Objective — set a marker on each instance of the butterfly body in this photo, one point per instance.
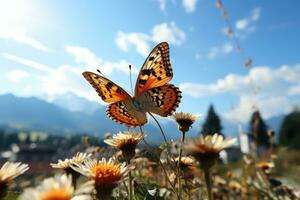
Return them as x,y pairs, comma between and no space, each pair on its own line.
153,94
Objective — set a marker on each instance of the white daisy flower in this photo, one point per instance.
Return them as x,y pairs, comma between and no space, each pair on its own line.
125,141
11,170
58,188
8,172
206,149
64,164
105,174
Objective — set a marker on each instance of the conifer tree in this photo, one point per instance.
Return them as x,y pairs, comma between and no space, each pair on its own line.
212,123
259,130
289,133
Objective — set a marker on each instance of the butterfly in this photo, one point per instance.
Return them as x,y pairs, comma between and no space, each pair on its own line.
152,92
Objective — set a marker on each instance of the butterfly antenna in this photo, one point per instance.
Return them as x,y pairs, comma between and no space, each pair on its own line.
130,78
98,70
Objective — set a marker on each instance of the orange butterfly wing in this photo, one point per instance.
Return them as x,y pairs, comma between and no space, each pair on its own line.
152,92
124,113
161,100
156,70
106,89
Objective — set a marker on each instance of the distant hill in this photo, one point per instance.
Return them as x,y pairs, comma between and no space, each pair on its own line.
32,112
59,117
35,114
75,103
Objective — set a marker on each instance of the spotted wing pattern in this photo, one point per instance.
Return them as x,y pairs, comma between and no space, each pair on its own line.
125,113
156,70
152,91
106,89
162,100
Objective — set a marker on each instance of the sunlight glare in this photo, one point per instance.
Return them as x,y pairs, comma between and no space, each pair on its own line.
16,15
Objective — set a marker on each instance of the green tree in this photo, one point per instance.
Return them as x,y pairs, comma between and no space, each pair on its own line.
259,130
289,133
212,123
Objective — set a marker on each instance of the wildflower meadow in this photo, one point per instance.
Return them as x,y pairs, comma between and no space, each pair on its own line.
76,132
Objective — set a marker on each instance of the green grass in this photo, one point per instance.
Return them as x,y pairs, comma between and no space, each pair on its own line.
12,196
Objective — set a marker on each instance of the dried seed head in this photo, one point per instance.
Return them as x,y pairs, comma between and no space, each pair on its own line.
184,120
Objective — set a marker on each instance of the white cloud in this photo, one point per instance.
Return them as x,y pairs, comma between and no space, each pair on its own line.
62,80
65,79
273,88
247,25
272,81
89,60
26,62
255,14
19,35
268,107
197,90
227,48
169,32
16,76
70,77
83,55
30,41
138,40
189,5
220,50
242,24
162,5
287,73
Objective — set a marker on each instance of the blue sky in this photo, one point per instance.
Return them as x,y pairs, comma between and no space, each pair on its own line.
46,45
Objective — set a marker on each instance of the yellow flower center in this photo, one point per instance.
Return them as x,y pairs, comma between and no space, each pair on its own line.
107,173
56,194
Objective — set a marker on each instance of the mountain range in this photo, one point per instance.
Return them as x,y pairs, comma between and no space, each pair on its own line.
73,114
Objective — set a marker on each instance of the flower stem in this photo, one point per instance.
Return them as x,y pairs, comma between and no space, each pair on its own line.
207,175
189,191
130,186
103,195
161,130
130,183
165,138
3,189
179,162
126,188
161,165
